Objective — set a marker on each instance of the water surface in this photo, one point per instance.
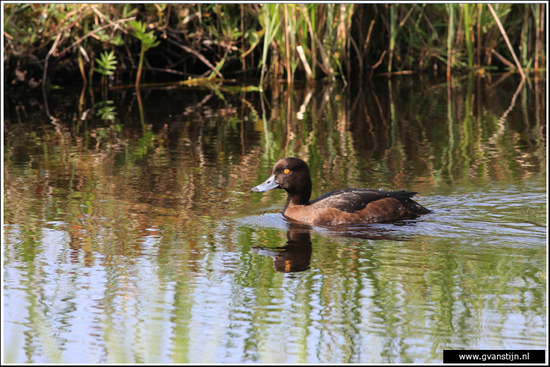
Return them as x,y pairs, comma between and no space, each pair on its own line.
131,235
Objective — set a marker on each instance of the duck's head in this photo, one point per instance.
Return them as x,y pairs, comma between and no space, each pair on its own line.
292,175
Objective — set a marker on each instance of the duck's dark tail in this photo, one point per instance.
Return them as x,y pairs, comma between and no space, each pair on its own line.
414,208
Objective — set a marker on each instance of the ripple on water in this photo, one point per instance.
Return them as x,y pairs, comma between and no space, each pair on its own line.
496,215
264,220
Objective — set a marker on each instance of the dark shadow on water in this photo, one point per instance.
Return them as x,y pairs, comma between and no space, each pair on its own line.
295,255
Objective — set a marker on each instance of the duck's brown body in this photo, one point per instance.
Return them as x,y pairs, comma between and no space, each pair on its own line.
348,206
344,206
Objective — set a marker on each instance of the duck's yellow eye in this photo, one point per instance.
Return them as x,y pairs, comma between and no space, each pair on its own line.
286,170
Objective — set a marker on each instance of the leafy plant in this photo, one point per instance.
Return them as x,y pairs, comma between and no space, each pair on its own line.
106,65
148,40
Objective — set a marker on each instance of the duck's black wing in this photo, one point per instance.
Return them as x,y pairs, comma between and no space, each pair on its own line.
354,200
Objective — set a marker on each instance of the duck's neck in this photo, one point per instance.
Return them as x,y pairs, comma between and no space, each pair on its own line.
298,198
299,192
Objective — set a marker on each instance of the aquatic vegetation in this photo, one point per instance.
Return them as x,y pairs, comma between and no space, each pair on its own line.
270,42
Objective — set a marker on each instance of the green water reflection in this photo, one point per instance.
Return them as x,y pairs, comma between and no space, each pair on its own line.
137,239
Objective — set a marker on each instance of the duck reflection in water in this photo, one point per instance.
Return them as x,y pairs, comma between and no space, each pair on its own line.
295,256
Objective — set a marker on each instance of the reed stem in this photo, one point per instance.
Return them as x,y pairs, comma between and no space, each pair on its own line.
503,32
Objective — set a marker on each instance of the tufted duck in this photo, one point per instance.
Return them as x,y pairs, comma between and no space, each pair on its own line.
344,206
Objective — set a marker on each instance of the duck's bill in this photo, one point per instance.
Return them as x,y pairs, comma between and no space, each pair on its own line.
267,185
